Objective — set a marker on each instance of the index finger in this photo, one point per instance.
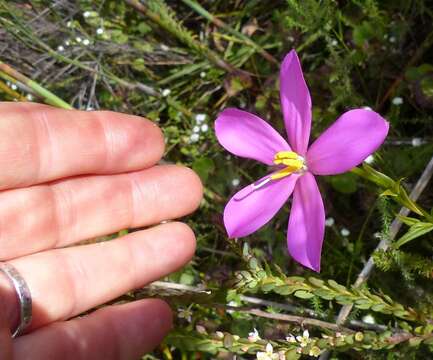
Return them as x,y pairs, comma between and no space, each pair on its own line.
39,143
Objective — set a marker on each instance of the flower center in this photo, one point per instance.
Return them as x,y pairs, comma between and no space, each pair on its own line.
293,163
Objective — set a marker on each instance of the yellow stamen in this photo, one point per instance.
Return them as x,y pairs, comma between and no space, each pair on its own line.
291,160
286,155
293,163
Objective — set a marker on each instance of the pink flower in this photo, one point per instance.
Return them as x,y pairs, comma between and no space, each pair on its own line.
344,145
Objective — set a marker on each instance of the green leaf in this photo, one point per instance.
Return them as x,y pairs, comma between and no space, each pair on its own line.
292,355
325,294
375,176
343,300
363,33
408,220
333,284
285,289
302,294
378,307
316,282
415,231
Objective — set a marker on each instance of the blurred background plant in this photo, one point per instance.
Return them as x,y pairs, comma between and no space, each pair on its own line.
179,63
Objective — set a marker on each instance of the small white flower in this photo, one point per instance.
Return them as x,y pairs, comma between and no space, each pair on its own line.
78,39
67,43
86,14
253,336
204,127
329,222
202,74
314,351
89,108
194,138
29,97
184,314
367,108
235,182
416,142
196,129
334,42
304,339
219,334
166,92
291,39
69,24
86,42
60,48
99,31
369,159
392,39
268,355
14,87
369,319
397,101
291,338
345,232
164,47
200,329
200,118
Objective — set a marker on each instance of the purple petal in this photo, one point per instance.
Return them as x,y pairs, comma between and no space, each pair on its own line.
246,135
250,209
347,142
306,223
295,103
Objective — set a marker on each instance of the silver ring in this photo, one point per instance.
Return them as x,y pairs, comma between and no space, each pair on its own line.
23,295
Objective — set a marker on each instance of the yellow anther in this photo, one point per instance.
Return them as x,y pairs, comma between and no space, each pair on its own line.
291,160
294,163
285,155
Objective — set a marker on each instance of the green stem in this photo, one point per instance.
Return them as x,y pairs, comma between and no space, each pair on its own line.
39,90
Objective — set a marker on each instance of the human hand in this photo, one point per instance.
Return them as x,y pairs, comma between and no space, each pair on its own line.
49,201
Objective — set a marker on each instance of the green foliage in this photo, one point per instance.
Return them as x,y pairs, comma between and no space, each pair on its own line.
260,280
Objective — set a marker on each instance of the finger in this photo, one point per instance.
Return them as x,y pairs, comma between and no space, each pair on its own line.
66,282
117,332
41,143
54,215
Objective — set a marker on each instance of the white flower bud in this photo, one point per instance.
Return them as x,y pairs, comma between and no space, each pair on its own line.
200,118
397,101
166,92
329,222
194,138
345,232
416,142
